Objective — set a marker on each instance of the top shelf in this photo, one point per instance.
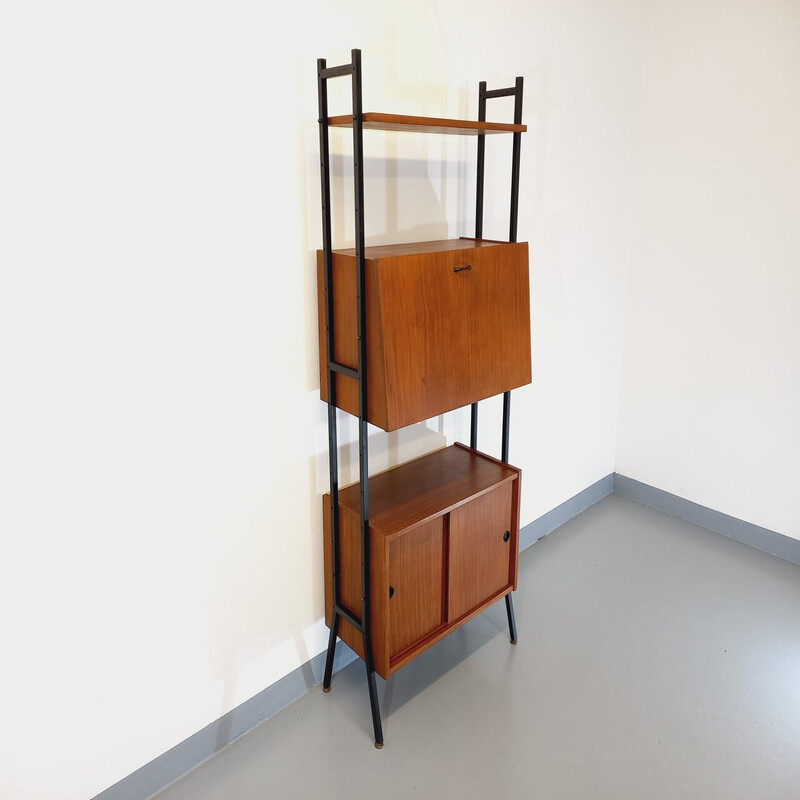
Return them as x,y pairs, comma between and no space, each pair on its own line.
402,122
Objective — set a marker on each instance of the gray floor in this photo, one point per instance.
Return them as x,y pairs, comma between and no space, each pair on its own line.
656,660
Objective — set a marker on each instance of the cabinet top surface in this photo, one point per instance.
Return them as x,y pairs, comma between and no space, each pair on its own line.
404,122
418,248
427,487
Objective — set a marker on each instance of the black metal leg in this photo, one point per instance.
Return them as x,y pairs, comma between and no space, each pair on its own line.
512,625
326,680
376,709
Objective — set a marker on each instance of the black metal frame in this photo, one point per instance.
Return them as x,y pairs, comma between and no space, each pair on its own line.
324,73
514,91
362,624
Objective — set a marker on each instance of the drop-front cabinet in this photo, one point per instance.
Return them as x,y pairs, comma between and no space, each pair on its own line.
448,324
443,546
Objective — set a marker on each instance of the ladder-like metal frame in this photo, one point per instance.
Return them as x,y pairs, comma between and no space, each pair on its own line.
362,623
514,91
324,73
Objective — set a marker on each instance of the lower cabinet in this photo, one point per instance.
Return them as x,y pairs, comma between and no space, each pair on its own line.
443,544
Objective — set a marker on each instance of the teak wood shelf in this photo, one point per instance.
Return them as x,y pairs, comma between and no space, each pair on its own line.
444,533
448,323
407,332
403,122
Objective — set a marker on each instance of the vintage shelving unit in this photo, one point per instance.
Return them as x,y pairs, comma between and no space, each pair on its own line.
407,332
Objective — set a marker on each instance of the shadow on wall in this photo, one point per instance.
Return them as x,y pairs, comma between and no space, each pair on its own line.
385,449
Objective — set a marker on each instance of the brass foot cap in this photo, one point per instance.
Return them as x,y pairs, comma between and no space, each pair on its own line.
379,745
326,689
513,641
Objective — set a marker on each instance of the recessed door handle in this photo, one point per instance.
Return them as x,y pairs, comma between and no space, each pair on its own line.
391,592
506,536
468,268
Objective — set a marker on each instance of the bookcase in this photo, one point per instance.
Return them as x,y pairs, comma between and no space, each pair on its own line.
409,331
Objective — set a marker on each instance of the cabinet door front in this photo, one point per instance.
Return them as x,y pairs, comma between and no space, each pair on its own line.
416,590
424,313
500,326
480,556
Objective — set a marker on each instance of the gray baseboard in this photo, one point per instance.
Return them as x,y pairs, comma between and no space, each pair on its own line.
746,532
548,522
199,747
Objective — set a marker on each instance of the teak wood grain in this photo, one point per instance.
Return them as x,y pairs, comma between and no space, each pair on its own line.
480,559
403,122
448,324
435,523
345,349
414,492
416,584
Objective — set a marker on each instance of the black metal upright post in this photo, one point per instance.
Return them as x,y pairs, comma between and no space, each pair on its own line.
473,421
483,95
361,624
512,233
512,237
361,324
333,447
516,145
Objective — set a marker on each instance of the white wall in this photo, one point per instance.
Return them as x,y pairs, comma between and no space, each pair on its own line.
710,406
162,440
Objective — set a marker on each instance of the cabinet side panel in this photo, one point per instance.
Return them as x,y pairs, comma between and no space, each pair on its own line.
379,599
346,339
351,637
323,352
516,493
327,558
350,581
350,561
350,577
347,633
479,556
500,325
345,349
376,361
